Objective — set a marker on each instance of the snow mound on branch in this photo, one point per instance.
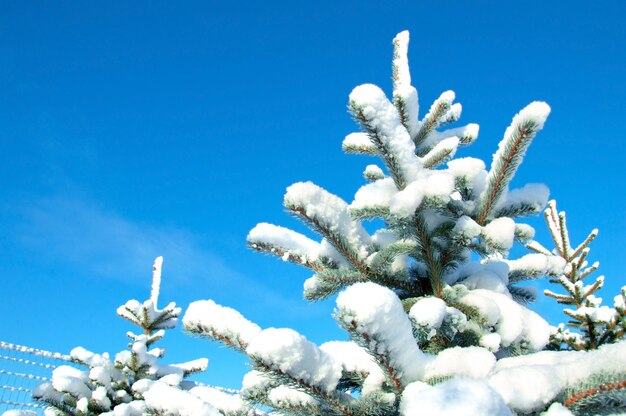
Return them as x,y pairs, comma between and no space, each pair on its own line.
512,321
285,239
285,350
377,312
172,400
224,402
384,118
428,311
529,382
375,194
328,210
469,361
220,320
355,359
456,397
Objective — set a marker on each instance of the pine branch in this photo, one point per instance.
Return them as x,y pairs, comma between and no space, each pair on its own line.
510,153
434,117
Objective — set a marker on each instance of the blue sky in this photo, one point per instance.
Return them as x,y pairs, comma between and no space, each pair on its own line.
129,131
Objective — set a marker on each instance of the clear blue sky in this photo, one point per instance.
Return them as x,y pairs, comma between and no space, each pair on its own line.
129,131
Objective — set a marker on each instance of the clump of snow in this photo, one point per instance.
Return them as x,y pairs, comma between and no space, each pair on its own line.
360,142
329,210
285,350
456,397
428,311
70,379
449,145
486,279
535,194
171,400
156,280
284,239
512,321
467,228
402,75
472,169
375,194
222,401
469,361
403,90
557,409
378,313
383,117
538,264
374,172
283,396
500,232
221,321
355,359
438,185
255,380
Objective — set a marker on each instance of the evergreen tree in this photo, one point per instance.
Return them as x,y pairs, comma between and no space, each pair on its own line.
135,383
594,324
435,309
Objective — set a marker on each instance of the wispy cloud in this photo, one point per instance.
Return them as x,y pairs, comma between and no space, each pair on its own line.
105,244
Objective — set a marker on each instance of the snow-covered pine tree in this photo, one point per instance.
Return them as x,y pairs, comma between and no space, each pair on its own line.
437,319
594,325
135,383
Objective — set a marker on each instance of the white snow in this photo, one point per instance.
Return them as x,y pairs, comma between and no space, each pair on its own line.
156,280
285,350
330,211
467,228
438,185
355,359
557,409
221,400
500,232
383,117
375,194
428,311
449,144
284,239
512,321
472,169
540,264
456,397
378,313
529,382
171,400
283,396
373,171
474,362
220,320
536,194
359,141
402,80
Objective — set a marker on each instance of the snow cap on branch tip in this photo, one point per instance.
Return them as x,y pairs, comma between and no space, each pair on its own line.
222,321
285,350
156,280
284,240
402,76
376,312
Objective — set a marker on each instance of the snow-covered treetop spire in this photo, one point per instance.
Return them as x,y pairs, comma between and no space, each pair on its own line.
146,315
156,280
